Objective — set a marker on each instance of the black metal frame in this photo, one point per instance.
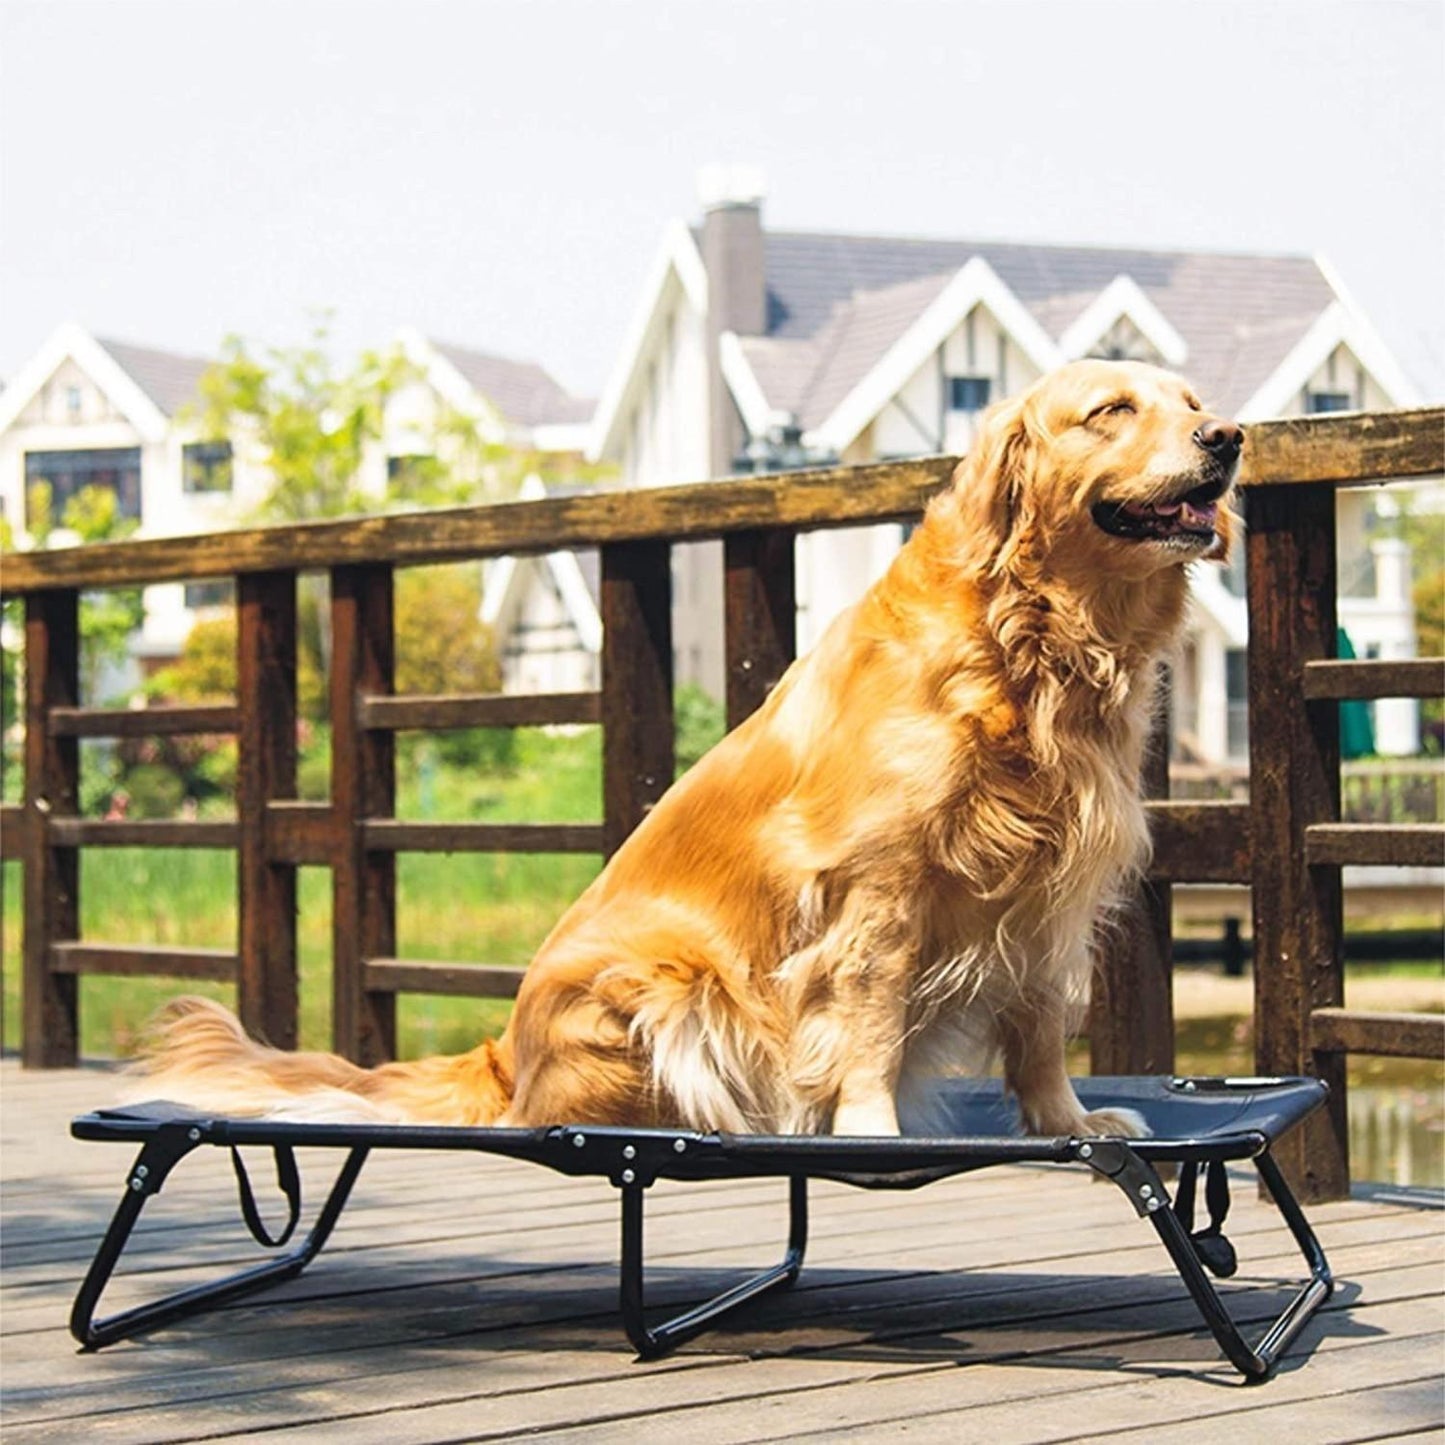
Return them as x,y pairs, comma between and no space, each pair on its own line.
634,1159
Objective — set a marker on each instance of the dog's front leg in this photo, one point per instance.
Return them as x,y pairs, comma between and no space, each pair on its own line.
1035,1068
852,1019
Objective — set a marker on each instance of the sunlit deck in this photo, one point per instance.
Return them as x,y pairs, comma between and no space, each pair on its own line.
471,1298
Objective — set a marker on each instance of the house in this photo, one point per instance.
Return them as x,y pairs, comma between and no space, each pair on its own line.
756,350
90,412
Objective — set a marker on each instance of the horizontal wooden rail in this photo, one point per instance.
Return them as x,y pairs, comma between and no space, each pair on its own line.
1332,449
1419,845
300,833
460,980
12,831
1400,1035
480,710
1199,842
140,833
140,960
1374,677
142,722
388,836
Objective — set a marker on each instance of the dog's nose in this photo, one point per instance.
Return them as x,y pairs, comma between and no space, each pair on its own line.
1221,439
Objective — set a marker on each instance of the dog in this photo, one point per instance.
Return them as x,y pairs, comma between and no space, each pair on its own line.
899,865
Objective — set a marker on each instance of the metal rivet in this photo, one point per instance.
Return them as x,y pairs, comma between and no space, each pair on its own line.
1190,1086
679,1146
137,1185
1086,1151
194,1136
1145,1190
141,1171
628,1176
1152,1205
628,1152
579,1140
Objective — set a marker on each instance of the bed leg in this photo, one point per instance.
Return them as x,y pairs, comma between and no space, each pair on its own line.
653,1341
159,1155
1138,1179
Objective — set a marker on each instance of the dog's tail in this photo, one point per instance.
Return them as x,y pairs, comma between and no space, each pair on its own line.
198,1054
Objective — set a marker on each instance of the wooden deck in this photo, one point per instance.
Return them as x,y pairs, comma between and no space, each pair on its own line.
467,1298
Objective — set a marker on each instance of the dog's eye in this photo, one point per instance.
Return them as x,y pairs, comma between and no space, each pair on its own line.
1120,406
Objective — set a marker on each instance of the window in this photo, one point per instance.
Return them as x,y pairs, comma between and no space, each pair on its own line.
968,393
206,467
68,473
1236,691
73,401
1319,402
219,593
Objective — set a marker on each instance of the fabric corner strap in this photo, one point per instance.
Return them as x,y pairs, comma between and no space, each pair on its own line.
288,1177
1215,1251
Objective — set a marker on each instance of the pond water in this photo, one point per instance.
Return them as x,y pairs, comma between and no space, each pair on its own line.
1396,1106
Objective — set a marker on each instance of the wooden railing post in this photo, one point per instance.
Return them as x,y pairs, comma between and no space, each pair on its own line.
49,1008
266,984
760,608
363,786
637,725
1294,781
1131,1005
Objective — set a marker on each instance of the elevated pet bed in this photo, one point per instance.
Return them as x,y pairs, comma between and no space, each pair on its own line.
1199,1124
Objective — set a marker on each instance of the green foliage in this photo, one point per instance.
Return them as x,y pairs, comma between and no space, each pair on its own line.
107,618
699,722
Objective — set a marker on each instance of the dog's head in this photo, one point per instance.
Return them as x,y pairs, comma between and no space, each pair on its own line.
1102,467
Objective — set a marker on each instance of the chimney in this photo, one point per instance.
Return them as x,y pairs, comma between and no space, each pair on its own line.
732,253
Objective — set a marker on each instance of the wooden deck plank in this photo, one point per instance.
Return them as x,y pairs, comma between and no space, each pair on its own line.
469,1297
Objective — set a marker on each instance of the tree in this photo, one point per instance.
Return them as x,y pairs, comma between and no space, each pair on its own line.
311,424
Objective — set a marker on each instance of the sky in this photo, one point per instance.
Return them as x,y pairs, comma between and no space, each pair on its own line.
499,173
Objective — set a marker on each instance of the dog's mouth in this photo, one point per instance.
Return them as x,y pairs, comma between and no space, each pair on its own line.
1189,519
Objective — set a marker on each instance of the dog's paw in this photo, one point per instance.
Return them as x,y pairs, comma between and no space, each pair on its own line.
1116,1124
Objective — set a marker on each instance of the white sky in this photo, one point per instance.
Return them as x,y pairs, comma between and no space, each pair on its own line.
499,172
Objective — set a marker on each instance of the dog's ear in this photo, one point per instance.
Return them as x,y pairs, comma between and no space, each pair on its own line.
988,483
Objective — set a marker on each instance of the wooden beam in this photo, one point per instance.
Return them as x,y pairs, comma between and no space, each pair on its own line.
363,788
460,980
1373,677
142,722
140,833
637,725
1199,842
480,710
302,833
759,617
1338,450
390,836
1400,1035
50,1022
268,989
1419,845
138,960
1294,784
12,832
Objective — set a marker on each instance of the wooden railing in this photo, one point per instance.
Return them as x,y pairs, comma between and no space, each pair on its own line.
1286,841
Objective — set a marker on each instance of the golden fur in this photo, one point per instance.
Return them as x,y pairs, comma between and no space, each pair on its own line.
898,865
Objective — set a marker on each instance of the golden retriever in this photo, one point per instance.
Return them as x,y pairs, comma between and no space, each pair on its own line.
898,865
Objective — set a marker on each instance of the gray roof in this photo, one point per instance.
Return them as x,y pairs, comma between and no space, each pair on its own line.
169,380
521,390
836,303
